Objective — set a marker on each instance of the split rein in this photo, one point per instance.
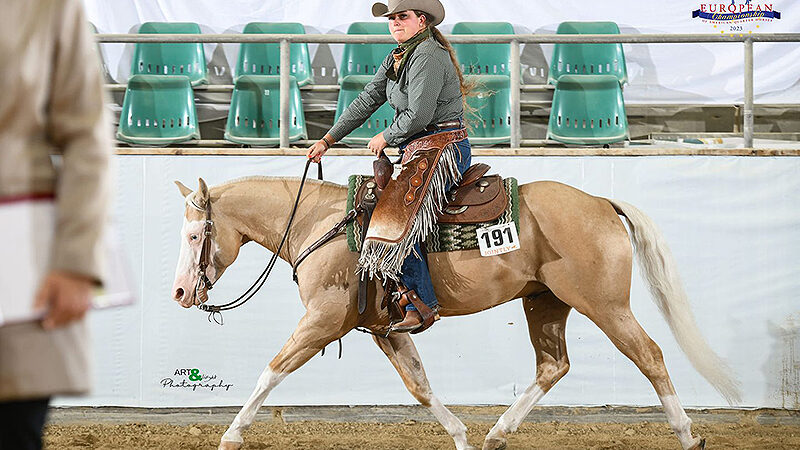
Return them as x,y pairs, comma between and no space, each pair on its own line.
204,284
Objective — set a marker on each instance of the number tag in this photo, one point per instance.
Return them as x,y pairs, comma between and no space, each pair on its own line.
498,239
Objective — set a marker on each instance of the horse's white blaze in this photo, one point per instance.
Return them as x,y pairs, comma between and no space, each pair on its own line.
680,423
189,258
454,427
516,413
266,383
189,254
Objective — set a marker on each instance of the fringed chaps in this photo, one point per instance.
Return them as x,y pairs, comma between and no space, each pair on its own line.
385,249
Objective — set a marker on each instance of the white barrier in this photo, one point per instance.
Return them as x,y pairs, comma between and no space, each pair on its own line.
730,221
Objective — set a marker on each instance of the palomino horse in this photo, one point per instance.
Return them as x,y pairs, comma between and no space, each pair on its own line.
575,253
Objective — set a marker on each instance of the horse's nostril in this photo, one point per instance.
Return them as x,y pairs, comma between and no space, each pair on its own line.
179,294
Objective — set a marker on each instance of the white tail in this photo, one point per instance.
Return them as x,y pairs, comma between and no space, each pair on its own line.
658,267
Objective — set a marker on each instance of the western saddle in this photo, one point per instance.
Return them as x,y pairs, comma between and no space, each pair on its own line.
476,199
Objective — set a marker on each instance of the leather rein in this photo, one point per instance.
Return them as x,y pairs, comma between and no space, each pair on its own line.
204,284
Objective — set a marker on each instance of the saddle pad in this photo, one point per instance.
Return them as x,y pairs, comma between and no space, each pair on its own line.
445,237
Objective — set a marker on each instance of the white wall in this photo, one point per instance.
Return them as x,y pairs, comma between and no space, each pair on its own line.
731,222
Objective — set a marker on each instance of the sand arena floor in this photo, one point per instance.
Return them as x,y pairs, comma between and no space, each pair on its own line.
413,428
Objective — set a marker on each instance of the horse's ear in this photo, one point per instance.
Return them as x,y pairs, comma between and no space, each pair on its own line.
203,191
184,190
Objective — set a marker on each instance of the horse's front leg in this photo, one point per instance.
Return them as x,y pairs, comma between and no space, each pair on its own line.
404,357
312,334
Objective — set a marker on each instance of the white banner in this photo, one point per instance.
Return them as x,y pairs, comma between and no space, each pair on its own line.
731,224
659,73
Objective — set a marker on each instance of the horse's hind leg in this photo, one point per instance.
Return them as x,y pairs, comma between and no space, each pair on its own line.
547,319
404,357
625,332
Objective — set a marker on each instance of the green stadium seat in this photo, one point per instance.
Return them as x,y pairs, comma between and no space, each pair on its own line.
364,59
158,110
351,86
588,59
483,59
588,110
265,59
359,64
490,122
187,59
254,116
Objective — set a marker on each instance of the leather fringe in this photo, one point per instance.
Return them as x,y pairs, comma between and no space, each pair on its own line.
386,259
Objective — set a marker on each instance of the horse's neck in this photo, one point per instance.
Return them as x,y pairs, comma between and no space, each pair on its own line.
262,207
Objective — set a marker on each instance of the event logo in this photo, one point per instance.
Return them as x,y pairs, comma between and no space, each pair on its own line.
192,379
736,18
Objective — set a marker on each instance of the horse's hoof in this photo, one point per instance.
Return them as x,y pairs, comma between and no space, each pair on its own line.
495,444
699,446
229,445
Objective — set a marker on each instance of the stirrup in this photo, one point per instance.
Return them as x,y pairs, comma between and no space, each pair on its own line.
427,315
418,328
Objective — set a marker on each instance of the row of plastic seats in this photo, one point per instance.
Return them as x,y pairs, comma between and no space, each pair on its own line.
264,59
189,59
360,59
253,117
159,109
588,107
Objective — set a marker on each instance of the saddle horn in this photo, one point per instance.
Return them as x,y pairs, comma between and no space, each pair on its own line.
383,170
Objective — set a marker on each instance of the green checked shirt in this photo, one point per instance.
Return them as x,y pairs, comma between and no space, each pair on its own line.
427,92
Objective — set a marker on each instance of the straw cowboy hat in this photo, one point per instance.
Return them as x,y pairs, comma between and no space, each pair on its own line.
433,7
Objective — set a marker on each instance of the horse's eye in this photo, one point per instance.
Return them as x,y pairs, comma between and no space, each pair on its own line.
194,237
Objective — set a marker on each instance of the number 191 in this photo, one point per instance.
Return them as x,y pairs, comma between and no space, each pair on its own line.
497,237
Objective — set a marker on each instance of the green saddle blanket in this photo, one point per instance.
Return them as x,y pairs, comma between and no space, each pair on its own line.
445,237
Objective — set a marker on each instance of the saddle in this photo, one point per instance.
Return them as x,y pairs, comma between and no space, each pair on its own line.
476,199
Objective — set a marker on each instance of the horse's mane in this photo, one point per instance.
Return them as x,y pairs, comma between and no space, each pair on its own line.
268,178
219,188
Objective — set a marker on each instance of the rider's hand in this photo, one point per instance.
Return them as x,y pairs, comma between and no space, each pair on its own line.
316,151
377,144
64,297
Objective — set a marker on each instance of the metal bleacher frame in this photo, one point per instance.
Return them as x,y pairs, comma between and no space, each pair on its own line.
214,147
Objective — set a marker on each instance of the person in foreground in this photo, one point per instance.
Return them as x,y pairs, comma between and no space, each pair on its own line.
422,81
52,103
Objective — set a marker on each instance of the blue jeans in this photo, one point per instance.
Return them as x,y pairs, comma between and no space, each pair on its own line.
415,274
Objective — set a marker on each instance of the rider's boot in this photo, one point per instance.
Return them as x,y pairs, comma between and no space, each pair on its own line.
419,317
412,321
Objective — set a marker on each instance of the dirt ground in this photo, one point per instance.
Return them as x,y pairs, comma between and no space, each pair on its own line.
741,431
378,436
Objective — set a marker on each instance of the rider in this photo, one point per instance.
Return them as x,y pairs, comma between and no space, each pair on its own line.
422,80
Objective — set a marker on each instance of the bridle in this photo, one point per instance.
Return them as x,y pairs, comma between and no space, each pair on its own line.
204,284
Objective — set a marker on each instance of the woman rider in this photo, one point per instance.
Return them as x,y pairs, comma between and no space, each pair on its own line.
422,81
